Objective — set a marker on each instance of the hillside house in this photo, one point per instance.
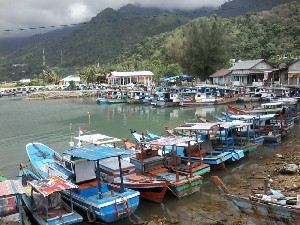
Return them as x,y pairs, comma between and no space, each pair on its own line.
252,72
135,77
294,73
221,77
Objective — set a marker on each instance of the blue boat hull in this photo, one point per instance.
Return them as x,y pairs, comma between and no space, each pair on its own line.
42,159
67,218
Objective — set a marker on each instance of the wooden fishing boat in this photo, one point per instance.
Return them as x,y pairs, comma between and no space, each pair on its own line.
182,178
115,97
266,108
215,141
99,200
10,201
268,205
149,187
43,199
171,147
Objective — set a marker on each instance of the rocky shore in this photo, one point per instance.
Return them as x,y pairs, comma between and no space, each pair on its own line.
281,163
61,94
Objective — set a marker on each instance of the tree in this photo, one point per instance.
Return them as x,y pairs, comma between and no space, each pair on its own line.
200,48
50,76
89,74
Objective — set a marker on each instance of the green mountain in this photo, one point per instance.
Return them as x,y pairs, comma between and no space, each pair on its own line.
100,40
112,32
273,35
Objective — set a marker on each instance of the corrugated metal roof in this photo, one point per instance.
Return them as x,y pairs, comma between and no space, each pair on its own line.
220,73
245,65
11,187
94,153
134,73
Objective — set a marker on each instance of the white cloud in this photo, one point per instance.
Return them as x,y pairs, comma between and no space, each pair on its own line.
24,14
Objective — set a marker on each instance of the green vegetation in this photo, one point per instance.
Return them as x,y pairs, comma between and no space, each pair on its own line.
127,41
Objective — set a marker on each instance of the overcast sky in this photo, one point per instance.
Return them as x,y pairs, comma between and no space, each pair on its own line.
24,14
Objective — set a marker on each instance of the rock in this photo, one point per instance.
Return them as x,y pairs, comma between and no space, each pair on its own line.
289,169
279,156
173,220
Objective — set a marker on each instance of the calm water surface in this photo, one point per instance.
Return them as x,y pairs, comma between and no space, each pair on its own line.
49,122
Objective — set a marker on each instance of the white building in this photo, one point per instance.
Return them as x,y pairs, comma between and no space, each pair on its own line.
66,81
136,77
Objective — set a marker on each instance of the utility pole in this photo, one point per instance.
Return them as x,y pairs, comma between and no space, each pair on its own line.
44,64
44,59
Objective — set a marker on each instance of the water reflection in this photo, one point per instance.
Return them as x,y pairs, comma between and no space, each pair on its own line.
49,121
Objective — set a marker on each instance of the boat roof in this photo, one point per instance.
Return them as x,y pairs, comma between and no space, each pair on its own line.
94,153
198,126
97,139
169,141
272,103
212,126
50,185
250,117
11,187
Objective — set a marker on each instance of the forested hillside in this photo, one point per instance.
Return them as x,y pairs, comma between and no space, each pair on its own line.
131,38
100,40
273,35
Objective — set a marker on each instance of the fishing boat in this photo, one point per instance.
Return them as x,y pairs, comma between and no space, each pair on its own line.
205,99
114,97
150,188
216,144
270,205
266,108
165,99
98,199
138,97
180,183
43,199
10,201
264,128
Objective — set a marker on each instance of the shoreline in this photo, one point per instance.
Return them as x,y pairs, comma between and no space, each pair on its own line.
60,94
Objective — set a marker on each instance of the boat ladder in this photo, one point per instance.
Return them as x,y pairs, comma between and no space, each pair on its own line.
126,209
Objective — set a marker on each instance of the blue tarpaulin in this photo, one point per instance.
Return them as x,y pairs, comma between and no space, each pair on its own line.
168,79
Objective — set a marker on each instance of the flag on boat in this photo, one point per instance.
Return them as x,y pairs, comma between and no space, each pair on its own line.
81,130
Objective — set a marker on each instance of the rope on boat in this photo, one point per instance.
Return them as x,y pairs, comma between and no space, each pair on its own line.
173,192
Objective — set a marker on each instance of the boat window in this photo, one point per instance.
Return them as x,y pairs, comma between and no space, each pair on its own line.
69,165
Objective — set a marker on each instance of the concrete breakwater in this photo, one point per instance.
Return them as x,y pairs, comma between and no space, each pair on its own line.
61,94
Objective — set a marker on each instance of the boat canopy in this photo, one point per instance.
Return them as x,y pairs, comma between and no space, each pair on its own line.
198,126
170,141
50,185
251,117
213,126
94,153
11,188
97,139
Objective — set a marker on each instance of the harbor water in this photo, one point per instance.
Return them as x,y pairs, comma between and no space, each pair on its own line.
55,123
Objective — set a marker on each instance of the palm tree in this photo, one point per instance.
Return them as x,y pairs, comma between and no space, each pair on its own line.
51,76
89,74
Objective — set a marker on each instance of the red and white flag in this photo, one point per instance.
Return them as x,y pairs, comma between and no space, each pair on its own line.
81,130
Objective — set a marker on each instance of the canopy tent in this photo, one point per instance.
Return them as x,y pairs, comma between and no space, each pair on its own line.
173,78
